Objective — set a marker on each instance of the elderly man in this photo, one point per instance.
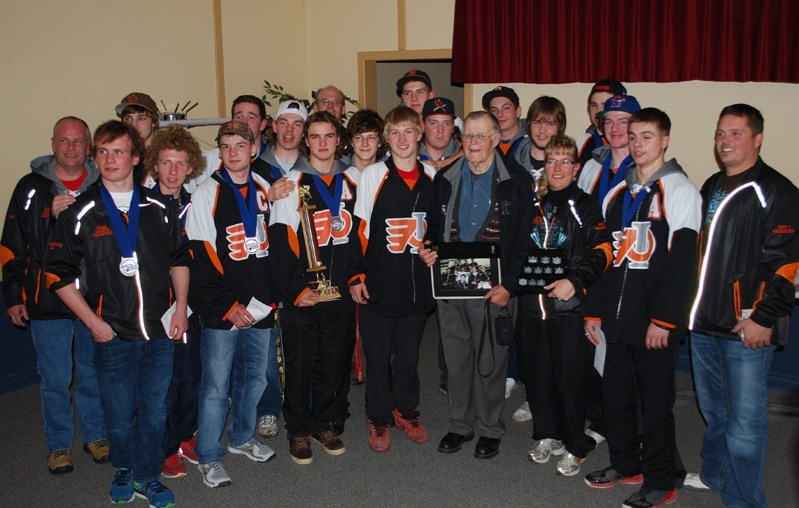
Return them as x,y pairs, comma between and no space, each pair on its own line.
482,198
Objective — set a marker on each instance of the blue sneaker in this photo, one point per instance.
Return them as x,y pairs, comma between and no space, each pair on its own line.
155,493
122,487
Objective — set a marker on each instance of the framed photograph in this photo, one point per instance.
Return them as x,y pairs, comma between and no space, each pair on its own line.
465,269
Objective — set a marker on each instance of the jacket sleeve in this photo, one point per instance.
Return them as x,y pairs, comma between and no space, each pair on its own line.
64,251
597,252
15,244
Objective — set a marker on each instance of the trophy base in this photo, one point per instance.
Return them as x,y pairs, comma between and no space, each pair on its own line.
328,293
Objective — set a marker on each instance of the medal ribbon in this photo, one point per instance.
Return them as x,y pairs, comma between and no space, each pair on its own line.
630,206
125,237
332,201
598,139
605,181
247,211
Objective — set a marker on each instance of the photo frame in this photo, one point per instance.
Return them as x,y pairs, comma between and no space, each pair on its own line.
465,269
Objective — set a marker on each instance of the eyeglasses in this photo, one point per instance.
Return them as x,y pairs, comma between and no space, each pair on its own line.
564,163
480,137
330,102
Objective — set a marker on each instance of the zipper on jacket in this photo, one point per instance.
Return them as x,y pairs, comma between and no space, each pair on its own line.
413,257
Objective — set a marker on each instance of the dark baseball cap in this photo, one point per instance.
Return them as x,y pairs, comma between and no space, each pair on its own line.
235,128
438,106
500,91
608,85
620,103
413,75
137,99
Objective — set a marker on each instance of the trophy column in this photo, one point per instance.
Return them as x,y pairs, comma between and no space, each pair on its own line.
327,292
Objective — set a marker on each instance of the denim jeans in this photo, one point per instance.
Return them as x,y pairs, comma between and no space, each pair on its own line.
57,353
239,357
272,399
731,388
134,377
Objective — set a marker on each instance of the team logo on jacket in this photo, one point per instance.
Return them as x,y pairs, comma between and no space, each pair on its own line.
636,244
236,237
405,232
325,232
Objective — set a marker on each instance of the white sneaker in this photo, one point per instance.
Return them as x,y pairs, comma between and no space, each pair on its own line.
510,385
596,436
694,482
253,450
569,465
523,414
214,475
267,426
544,448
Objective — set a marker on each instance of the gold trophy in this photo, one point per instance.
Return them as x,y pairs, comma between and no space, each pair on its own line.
327,293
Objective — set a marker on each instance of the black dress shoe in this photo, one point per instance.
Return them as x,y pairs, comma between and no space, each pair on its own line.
486,448
452,442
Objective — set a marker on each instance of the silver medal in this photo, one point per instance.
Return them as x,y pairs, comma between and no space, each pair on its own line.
337,224
128,267
251,245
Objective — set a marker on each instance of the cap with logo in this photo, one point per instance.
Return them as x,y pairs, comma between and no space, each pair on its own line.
235,128
620,103
438,106
413,75
137,99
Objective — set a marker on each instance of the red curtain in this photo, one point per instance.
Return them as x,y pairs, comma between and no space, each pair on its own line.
565,41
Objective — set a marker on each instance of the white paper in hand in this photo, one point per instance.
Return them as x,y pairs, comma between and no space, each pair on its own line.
258,309
599,354
166,319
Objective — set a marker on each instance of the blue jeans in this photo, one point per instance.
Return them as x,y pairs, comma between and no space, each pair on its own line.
272,399
134,377
240,356
731,387
53,340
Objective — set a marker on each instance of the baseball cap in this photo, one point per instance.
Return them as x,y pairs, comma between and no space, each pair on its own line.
608,85
438,106
500,91
137,99
621,103
237,128
292,107
413,75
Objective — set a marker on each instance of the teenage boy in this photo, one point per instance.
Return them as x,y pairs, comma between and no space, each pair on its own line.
130,243
318,336
503,104
365,133
231,290
173,159
285,154
593,137
390,285
439,145
414,88
641,306
139,110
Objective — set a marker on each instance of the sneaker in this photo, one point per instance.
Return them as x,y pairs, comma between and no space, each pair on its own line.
379,436
543,449
596,436
267,426
523,414
330,442
98,450
694,482
122,487
443,388
214,475
173,467
569,465
60,461
649,498
411,426
187,451
155,493
609,477
510,385
253,450
300,450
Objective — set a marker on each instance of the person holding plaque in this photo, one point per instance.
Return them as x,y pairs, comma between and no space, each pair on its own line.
310,235
569,250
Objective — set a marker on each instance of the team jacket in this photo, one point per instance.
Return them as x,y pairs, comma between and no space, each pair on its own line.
511,201
652,278
392,220
26,233
223,274
132,306
579,229
288,250
751,255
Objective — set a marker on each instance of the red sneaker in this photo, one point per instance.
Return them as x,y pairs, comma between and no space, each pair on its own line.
411,426
186,451
173,467
379,436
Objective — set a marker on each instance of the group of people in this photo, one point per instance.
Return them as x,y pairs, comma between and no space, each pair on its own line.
152,257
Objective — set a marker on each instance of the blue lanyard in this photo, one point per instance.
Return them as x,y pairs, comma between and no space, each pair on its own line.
333,201
598,139
247,211
125,237
277,174
630,206
605,181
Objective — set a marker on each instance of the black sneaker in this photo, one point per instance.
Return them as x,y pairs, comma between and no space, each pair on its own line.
609,477
649,498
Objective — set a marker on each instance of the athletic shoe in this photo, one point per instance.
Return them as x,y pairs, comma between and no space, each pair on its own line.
122,487
411,426
523,414
187,451
60,461
543,449
267,426
330,442
253,450
569,465
694,482
596,436
609,477
300,450
98,449
510,385
155,493
173,467
649,498
214,475
379,436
